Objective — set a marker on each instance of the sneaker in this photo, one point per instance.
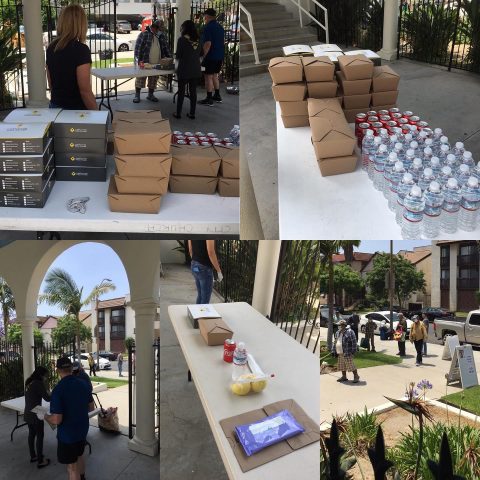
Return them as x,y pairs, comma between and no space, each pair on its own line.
152,98
417,364
356,379
217,98
342,379
136,99
206,101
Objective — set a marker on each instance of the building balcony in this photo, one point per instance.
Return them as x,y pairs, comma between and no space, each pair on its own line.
467,260
467,283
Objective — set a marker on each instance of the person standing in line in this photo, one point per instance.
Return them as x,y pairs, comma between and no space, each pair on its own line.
151,46
69,63
370,327
35,391
344,348
213,41
426,324
120,364
188,69
418,334
353,321
69,407
204,262
91,364
402,323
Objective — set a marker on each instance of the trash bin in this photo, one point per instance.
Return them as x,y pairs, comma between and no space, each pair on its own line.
383,333
105,54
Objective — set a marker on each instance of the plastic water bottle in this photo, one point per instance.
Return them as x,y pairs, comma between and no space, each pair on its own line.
458,151
444,175
463,174
444,141
437,134
422,135
426,178
443,154
402,191
416,169
408,138
395,178
408,161
387,172
429,143
399,133
240,359
433,197
393,139
235,135
435,166
400,151
380,159
467,158
367,148
476,172
451,161
469,205
427,155
451,206
413,207
414,147
377,141
384,135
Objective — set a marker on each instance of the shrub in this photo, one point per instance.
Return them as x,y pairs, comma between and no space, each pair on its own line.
360,431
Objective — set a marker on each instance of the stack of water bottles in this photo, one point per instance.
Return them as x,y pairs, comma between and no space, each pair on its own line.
431,185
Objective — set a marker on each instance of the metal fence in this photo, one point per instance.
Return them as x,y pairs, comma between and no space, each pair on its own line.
441,32
355,23
296,300
11,370
238,259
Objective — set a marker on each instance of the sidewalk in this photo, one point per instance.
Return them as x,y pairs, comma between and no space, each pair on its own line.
389,380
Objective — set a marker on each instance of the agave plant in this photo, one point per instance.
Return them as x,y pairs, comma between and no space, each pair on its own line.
10,60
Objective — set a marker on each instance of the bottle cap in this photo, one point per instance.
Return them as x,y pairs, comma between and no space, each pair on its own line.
382,148
444,148
410,152
452,183
446,170
369,132
451,158
464,168
408,137
472,182
428,172
435,161
427,151
393,139
459,145
383,131
377,140
444,139
428,142
414,144
467,154
423,133
398,146
241,345
407,177
438,131
434,187
237,127
392,156
417,161
398,166
416,191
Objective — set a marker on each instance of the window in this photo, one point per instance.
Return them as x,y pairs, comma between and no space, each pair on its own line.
467,273
475,319
117,332
445,251
118,313
117,316
468,250
101,315
101,332
445,274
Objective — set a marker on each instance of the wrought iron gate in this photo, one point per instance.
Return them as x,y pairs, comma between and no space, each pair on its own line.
11,370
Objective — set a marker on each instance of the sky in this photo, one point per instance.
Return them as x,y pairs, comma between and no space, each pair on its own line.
89,263
372,246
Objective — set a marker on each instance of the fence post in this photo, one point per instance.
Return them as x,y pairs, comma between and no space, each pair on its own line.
390,25
454,36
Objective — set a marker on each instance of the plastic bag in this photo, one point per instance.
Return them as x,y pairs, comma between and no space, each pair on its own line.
108,420
269,431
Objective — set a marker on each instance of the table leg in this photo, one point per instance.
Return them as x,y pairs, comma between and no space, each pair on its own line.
108,99
102,98
17,426
189,376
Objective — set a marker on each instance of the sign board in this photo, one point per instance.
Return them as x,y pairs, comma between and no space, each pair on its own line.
451,342
463,367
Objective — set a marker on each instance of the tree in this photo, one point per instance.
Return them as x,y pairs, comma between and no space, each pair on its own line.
15,334
7,304
407,279
67,328
344,279
62,291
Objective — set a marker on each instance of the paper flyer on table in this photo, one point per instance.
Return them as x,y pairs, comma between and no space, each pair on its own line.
203,311
367,53
326,47
297,50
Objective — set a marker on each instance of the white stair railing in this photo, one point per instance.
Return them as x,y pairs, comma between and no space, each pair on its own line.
250,32
309,15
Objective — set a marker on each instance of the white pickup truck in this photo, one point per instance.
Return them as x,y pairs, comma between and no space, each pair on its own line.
468,330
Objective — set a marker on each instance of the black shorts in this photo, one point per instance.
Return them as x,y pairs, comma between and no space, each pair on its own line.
212,66
70,452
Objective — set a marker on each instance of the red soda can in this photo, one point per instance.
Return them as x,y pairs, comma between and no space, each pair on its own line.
361,127
213,135
182,142
191,138
205,144
203,138
407,114
215,139
228,349
414,119
396,115
360,118
422,124
372,118
384,119
383,112
406,130
393,110
180,137
199,134
376,126
193,144
217,144
227,140
228,144
391,124
402,121
177,132
371,113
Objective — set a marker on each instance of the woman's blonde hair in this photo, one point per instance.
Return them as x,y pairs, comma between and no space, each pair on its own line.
71,25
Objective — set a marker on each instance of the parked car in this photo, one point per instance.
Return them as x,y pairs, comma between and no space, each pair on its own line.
435,312
106,354
103,41
104,364
468,330
379,317
122,26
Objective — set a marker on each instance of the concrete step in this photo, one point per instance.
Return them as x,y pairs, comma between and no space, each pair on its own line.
274,24
264,55
269,34
302,38
252,69
263,7
276,15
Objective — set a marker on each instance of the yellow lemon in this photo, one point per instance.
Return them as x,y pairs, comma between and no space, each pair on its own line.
240,388
259,386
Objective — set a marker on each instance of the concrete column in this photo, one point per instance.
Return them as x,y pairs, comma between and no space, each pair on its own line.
144,440
436,295
94,328
390,29
28,324
108,313
453,277
37,83
265,275
183,13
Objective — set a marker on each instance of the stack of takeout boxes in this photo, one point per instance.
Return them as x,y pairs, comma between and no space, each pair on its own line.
229,173
81,145
332,138
320,76
384,88
27,169
290,90
143,161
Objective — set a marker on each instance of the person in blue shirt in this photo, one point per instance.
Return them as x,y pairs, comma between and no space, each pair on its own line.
213,41
69,406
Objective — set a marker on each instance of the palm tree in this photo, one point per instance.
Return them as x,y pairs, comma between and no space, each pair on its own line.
62,291
7,303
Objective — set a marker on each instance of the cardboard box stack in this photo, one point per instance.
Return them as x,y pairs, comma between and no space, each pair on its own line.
81,145
229,173
290,90
384,88
27,171
320,76
143,161
332,137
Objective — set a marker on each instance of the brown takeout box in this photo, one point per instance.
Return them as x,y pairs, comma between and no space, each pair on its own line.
158,185
353,87
195,160
337,165
292,92
355,67
295,121
357,101
332,138
385,79
230,166
147,165
192,184
325,108
139,116
214,330
292,109
286,69
318,69
228,187
132,202
322,89
384,98
140,138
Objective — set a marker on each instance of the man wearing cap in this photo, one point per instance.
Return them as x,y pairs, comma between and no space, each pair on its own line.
69,406
213,41
344,348
151,46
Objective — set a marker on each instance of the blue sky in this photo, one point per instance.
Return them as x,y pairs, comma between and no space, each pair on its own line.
89,264
372,246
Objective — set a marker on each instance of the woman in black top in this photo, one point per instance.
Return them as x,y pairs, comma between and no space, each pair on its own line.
188,70
35,391
69,63
204,261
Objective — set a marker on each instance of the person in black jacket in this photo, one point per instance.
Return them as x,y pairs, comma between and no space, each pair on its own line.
189,71
35,391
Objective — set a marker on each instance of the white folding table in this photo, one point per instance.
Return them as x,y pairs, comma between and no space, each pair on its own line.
297,376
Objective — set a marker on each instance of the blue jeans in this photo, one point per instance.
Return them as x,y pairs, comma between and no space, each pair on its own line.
204,281
120,366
